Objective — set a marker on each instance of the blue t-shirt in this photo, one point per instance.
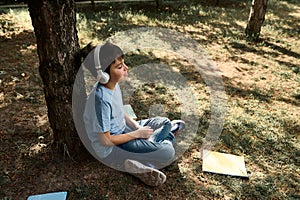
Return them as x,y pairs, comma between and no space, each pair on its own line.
103,112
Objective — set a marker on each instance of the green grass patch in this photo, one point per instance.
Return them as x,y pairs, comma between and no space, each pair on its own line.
261,81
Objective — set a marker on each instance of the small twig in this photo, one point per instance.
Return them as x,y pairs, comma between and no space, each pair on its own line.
66,151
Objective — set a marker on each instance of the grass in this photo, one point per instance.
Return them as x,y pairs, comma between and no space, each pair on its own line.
261,82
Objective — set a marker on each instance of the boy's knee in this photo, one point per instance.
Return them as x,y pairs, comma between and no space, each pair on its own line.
163,120
166,119
168,153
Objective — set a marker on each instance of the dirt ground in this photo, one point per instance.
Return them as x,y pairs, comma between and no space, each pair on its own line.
255,89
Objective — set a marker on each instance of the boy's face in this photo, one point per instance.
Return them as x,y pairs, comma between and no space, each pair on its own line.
118,70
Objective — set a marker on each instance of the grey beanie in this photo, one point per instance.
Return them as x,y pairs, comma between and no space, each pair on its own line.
108,53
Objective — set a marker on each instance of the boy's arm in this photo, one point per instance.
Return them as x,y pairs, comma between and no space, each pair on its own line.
131,122
107,139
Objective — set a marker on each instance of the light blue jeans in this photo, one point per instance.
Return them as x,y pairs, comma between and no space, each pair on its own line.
157,151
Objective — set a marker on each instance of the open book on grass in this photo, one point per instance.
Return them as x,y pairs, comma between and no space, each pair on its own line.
223,163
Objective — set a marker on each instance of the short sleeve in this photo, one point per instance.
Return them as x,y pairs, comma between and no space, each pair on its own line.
103,112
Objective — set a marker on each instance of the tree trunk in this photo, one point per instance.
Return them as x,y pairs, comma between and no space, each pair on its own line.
256,19
158,3
54,23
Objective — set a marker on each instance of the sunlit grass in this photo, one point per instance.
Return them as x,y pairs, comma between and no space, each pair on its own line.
14,21
259,124
261,80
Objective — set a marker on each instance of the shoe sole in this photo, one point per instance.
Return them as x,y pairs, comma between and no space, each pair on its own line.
148,175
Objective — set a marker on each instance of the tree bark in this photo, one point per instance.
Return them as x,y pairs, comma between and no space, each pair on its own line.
256,19
158,3
54,23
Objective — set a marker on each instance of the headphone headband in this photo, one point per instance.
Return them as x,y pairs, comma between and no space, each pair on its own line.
102,77
97,57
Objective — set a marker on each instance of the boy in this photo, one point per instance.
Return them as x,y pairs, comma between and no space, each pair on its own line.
118,140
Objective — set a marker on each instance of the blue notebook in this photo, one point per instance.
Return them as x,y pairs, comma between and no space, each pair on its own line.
49,196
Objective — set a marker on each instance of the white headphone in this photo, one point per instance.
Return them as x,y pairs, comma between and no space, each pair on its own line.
102,77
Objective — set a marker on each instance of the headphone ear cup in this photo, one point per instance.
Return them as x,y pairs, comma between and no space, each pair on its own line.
102,77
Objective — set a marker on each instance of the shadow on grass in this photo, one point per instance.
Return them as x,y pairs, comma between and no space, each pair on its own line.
93,180
250,48
259,94
281,49
107,20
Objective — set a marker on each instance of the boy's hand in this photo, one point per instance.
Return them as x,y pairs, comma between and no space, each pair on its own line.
143,132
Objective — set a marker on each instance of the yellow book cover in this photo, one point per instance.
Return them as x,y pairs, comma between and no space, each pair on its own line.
223,163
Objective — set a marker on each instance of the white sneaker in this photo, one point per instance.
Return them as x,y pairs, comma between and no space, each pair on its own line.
148,175
177,126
